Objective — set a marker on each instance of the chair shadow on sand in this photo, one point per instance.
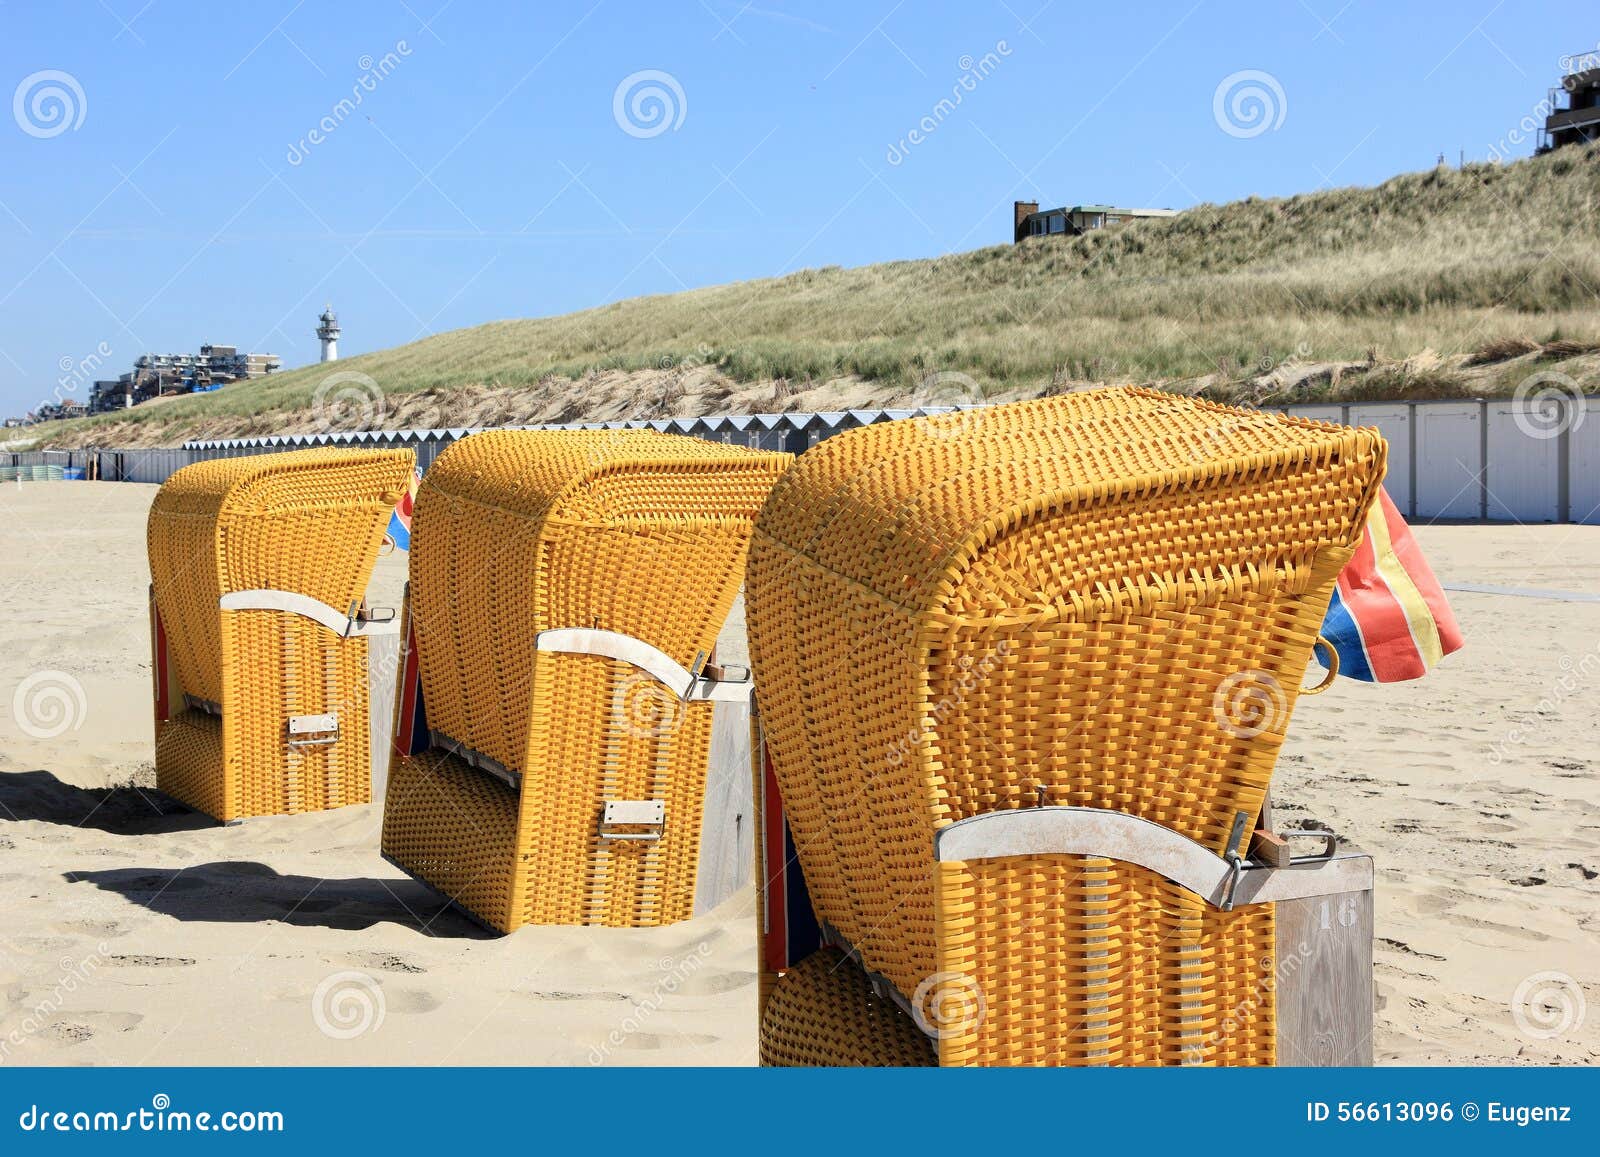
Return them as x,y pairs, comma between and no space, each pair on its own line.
224,891
245,891
121,811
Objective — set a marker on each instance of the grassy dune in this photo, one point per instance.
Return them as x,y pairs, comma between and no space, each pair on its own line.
1390,291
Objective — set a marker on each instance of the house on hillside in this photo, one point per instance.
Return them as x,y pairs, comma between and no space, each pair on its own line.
115,394
60,411
1574,107
156,375
1073,220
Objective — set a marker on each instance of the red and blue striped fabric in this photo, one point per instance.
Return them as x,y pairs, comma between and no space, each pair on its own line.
1389,620
790,932
399,532
411,735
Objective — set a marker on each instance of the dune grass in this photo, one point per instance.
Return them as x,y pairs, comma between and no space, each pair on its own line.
1452,261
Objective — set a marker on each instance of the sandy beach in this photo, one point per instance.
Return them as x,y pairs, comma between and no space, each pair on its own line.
135,932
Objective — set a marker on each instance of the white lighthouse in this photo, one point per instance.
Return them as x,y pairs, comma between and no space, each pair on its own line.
328,334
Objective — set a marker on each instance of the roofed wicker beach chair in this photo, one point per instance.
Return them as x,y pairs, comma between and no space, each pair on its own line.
258,566
567,590
1023,675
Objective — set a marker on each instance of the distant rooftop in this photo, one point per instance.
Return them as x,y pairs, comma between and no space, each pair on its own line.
1074,220
1118,210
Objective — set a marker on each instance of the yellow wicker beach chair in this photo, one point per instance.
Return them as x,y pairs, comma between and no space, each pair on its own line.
567,589
258,566
1023,676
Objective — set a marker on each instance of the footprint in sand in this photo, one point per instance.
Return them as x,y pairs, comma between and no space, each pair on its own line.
1402,946
83,1026
136,960
410,1000
46,945
67,1033
1479,926
716,983
405,1001
95,929
384,962
1383,967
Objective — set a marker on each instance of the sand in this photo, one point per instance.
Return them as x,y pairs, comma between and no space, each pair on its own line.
133,932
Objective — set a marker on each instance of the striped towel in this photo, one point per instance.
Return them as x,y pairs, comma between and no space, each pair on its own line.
1388,620
399,532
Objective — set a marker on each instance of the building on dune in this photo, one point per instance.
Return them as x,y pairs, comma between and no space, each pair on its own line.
1574,105
1073,220
156,375
58,411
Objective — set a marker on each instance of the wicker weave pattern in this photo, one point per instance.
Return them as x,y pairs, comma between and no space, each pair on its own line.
517,532
823,1013
1042,602
1062,960
308,522
317,673
467,858
190,764
615,883
1132,972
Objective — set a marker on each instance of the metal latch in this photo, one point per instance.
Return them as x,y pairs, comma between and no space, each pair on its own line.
1234,854
195,703
633,813
320,730
1329,838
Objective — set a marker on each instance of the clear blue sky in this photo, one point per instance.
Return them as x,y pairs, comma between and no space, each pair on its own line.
487,175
